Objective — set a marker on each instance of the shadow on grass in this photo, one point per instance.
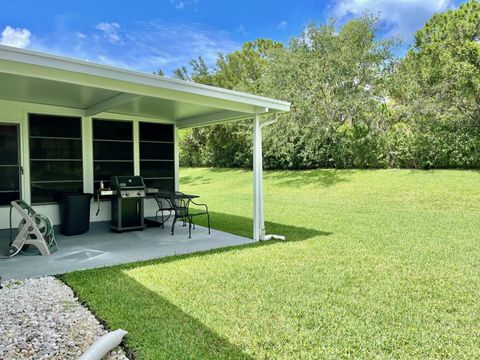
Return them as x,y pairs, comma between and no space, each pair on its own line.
157,329
428,172
205,180
243,226
322,177
195,180
229,170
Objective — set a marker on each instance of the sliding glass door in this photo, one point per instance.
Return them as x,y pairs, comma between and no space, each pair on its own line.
10,168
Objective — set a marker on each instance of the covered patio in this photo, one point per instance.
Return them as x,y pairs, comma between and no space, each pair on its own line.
99,247
77,123
68,125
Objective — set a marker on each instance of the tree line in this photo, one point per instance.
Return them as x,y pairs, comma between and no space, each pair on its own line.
355,104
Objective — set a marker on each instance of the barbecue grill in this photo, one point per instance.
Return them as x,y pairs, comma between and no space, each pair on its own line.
127,203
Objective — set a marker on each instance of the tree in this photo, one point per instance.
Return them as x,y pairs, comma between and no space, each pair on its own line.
241,70
335,82
439,79
199,72
333,79
159,72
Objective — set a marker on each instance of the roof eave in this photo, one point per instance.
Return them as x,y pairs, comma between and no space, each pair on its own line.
259,103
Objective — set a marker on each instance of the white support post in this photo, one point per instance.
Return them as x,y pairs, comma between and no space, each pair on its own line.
258,210
258,220
176,155
87,147
260,186
136,148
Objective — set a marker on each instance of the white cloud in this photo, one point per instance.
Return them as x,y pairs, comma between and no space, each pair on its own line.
241,30
282,25
15,37
80,35
111,31
143,46
182,4
399,17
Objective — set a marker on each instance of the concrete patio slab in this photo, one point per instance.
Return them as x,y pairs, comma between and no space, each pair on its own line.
100,247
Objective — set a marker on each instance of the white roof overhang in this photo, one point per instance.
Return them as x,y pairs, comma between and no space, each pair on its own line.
41,78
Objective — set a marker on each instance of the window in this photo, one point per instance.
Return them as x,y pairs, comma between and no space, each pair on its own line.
157,165
112,150
55,156
9,164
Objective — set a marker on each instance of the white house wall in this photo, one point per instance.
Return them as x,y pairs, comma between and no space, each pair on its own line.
17,113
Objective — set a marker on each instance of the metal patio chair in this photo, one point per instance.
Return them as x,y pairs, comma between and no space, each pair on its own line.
178,205
164,204
197,210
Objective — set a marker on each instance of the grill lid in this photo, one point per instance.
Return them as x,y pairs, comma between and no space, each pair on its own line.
126,182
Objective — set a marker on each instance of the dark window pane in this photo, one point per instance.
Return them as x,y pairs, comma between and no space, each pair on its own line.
151,169
159,151
8,145
112,150
161,184
152,148
55,170
7,197
58,174
10,178
156,132
109,150
51,192
55,126
9,175
105,170
112,130
55,149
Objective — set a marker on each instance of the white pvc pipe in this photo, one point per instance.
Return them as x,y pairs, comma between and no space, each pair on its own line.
103,345
274,237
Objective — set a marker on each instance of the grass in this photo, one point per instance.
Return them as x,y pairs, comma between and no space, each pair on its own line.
378,264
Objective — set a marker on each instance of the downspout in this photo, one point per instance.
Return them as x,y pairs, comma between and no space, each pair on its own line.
258,208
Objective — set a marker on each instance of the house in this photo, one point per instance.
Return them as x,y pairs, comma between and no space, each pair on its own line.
66,125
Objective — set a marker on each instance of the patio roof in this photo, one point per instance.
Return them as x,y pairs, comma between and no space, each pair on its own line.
95,90
36,77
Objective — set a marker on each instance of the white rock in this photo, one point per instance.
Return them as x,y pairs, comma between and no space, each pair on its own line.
42,319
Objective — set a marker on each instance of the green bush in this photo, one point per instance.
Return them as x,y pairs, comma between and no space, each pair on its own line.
399,146
402,145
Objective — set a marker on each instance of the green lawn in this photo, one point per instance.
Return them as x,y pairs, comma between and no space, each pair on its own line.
378,264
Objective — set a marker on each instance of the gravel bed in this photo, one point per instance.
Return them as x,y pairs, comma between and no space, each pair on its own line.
42,319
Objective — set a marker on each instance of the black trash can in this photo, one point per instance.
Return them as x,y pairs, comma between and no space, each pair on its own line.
75,210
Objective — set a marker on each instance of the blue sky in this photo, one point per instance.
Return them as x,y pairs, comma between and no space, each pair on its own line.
148,35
